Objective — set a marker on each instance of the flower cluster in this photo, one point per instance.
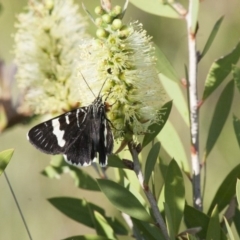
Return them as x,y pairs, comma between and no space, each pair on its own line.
121,61
46,48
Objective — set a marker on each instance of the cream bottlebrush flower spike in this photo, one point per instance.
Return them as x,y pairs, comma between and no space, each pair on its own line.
46,49
124,55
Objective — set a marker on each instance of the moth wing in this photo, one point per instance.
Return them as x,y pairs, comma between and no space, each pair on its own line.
83,152
56,135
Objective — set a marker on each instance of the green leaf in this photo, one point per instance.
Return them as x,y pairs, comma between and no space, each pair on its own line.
155,128
220,70
174,90
236,220
164,66
214,228
82,179
238,191
212,36
226,191
191,237
219,117
103,227
236,76
236,126
169,221
115,161
173,145
123,199
148,231
156,7
193,11
87,237
77,209
230,234
5,157
175,194
151,161
194,218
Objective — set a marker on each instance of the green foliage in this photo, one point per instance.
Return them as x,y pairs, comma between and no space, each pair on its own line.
236,76
194,218
123,200
156,7
193,11
78,210
151,161
174,195
230,234
212,36
155,128
236,125
148,230
164,66
5,157
226,190
219,116
219,71
214,228
88,237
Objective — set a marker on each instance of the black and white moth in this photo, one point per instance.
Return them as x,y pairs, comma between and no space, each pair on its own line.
81,135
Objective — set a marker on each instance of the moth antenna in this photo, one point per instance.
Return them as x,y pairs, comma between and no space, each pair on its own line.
102,86
88,84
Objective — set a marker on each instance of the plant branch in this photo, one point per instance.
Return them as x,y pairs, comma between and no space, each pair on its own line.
18,206
194,113
148,193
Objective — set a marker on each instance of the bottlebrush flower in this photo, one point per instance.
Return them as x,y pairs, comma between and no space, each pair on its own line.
122,60
46,49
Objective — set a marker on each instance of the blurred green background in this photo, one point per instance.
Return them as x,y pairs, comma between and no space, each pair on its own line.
32,189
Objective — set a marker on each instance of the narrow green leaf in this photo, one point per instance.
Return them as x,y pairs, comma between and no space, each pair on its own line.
83,180
230,234
104,229
123,199
156,7
212,36
236,76
220,116
226,191
236,126
194,218
169,221
175,194
194,7
87,237
5,157
115,161
155,128
220,70
174,90
52,172
151,161
238,191
173,145
77,209
164,66
236,220
191,237
148,231
214,228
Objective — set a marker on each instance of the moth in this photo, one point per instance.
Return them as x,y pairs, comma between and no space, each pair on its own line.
82,135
